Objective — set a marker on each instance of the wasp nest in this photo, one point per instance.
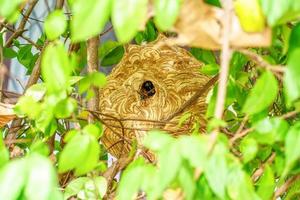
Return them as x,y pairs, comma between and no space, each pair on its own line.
145,89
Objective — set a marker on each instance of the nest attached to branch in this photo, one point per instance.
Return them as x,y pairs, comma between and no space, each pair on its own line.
147,90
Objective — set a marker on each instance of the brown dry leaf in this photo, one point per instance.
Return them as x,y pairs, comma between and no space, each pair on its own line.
200,25
6,114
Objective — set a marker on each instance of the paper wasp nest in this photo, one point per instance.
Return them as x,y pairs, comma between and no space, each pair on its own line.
149,85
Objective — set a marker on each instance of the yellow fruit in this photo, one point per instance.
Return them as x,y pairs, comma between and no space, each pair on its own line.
250,15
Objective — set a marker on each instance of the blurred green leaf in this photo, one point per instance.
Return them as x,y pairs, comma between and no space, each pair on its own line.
56,68
256,100
203,55
4,153
93,79
133,11
42,178
248,148
292,142
291,78
93,130
75,186
9,9
166,12
266,184
13,179
89,18
157,140
65,108
81,153
280,11
55,24
210,69
216,171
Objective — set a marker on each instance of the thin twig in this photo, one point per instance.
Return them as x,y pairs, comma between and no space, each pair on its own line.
194,98
261,62
260,170
225,61
22,24
282,189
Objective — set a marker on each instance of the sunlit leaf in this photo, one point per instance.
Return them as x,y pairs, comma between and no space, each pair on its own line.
42,178
256,100
292,142
89,18
249,149
166,12
266,184
291,77
56,68
55,24
133,11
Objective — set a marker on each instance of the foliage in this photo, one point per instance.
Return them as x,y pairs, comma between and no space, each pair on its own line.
55,153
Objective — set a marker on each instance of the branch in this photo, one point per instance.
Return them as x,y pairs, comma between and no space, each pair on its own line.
92,60
282,189
194,98
225,61
260,170
261,62
22,24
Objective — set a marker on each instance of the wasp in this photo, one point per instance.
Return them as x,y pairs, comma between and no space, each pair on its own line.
147,90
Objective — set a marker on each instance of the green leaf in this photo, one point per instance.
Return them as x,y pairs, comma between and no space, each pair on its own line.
75,186
9,9
210,69
257,101
166,12
56,68
194,149
249,148
280,11
94,79
239,184
216,170
13,179
186,180
4,153
157,140
65,108
89,18
81,153
148,35
27,106
271,130
110,53
291,78
9,53
93,130
294,37
131,180
128,17
292,143
266,184
42,178
55,24
203,55
36,91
